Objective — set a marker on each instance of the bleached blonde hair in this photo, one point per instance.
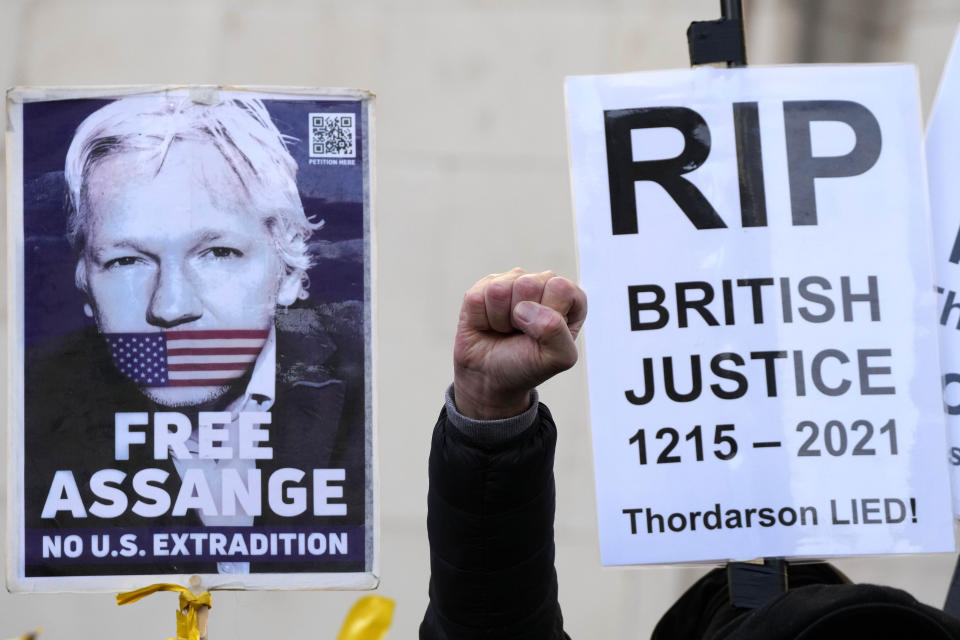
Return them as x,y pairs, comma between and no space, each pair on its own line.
241,130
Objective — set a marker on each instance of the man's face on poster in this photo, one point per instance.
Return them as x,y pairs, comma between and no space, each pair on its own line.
181,248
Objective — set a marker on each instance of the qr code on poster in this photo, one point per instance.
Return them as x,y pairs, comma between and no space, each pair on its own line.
333,135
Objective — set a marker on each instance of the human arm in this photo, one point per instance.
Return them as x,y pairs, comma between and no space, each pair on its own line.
491,499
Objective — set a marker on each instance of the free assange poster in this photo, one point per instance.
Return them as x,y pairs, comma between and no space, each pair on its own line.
192,380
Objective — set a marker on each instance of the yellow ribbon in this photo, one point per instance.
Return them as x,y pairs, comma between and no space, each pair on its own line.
190,603
369,619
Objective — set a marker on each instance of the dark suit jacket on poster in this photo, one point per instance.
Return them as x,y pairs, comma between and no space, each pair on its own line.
73,391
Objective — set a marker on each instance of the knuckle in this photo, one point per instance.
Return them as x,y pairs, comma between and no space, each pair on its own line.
561,286
527,284
499,291
473,297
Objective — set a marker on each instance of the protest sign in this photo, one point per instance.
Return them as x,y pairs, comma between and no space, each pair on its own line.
761,350
943,136
190,380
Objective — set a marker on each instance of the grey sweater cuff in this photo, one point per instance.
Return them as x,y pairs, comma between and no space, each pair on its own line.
491,431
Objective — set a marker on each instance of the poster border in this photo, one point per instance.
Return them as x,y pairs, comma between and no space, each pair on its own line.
16,580
660,80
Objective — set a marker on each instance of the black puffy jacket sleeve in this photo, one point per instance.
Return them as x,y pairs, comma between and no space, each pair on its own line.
490,525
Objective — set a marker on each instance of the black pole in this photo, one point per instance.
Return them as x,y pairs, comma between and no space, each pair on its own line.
748,585
719,40
733,10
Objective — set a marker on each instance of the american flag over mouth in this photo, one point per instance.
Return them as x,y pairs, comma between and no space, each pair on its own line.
186,358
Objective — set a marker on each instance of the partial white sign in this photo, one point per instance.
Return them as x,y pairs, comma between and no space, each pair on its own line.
943,136
761,350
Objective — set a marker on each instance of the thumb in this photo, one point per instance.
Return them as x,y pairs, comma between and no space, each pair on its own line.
549,328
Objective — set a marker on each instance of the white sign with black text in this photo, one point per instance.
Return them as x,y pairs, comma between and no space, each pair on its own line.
943,136
762,348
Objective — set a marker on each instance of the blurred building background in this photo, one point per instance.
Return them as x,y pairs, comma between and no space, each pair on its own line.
471,165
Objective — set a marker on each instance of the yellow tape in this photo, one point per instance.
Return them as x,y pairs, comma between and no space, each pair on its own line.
369,619
187,625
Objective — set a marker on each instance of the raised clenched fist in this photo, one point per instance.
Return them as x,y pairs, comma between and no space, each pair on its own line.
516,330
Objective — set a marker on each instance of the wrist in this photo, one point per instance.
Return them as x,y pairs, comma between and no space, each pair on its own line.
479,403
